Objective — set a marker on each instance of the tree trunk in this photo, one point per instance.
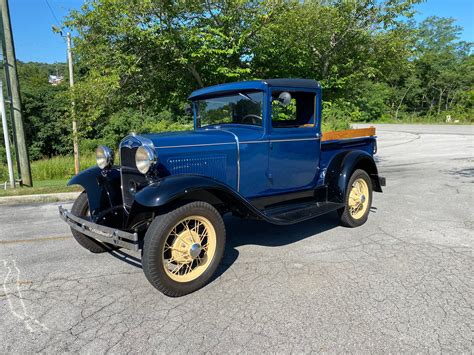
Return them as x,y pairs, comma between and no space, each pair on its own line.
196,75
441,92
401,101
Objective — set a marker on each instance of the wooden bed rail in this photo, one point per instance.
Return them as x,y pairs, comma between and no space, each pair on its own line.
348,133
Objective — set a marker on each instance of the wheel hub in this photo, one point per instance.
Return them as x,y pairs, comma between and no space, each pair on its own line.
195,250
186,247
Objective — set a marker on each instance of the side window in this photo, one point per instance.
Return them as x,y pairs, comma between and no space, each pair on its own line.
281,112
293,109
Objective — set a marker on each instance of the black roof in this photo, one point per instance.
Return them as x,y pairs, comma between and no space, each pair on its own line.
297,83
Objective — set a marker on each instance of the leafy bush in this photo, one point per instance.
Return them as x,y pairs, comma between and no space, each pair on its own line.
371,101
337,115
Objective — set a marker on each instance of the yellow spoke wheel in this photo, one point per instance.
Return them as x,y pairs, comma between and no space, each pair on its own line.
189,248
358,198
182,248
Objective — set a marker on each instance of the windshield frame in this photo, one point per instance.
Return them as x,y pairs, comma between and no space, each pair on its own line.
244,94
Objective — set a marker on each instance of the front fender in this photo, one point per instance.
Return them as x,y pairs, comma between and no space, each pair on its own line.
102,188
341,168
174,188
170,188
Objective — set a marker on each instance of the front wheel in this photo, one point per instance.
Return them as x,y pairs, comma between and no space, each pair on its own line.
183,248
358,200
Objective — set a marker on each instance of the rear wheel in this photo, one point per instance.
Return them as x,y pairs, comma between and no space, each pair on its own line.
80,208
358,200
183,248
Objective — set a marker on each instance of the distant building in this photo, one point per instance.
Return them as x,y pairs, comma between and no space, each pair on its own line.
55,79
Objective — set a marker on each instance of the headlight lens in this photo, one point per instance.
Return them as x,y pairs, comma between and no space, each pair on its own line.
145,157
104,157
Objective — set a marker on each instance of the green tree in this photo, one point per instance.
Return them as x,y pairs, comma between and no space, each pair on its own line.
45,109
444,65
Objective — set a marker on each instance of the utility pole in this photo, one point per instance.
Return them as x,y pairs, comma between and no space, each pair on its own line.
25,171
73,110
8,91
6,138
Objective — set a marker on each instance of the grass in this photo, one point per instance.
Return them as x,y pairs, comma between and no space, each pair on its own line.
49,176
41,187
59,168
415,119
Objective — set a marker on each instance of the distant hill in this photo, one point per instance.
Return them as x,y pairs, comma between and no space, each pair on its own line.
37,74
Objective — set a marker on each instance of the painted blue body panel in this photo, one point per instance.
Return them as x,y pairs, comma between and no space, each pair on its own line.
253,152
211,153
329,149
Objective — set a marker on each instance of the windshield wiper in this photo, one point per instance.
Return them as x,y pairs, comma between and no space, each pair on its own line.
248,97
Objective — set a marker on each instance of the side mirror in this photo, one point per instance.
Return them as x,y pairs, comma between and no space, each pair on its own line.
284,98
188,110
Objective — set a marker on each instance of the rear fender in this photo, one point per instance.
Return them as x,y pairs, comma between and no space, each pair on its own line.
102,188
341,168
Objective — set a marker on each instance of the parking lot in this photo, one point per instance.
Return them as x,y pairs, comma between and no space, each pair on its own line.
403,282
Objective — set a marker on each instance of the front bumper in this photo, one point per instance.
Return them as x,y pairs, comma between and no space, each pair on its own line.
102,233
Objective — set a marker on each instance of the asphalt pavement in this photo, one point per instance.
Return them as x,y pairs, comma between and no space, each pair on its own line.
403,282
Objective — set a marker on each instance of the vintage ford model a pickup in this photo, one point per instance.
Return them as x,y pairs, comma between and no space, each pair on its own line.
256,151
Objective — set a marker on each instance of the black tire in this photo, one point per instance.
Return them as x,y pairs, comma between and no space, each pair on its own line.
80,208
153,249
345,216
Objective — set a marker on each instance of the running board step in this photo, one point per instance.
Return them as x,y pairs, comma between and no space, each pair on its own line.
300,212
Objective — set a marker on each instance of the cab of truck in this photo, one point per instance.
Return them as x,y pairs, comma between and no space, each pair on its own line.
277,127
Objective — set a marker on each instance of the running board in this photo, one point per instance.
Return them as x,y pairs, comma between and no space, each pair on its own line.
295,213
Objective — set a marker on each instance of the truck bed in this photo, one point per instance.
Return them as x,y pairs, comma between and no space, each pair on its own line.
348,133
336,142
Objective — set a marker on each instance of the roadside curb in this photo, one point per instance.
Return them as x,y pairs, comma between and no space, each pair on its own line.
40,198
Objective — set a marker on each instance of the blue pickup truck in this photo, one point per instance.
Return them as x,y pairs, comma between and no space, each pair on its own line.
256,151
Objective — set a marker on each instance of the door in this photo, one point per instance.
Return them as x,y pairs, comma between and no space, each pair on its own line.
294,146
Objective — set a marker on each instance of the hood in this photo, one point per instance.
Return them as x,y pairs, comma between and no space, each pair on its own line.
212,153
189,138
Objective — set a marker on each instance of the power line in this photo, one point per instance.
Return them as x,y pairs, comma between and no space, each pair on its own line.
52,13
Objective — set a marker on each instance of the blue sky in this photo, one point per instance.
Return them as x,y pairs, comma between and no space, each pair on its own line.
34,40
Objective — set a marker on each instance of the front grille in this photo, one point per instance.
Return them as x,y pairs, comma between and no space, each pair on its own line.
127,156
132,179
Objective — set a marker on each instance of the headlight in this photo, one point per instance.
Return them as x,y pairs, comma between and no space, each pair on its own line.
145,157
104,157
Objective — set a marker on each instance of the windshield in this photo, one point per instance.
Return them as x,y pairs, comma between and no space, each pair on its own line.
237,108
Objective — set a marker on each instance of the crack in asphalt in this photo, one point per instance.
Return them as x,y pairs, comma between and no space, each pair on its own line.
39,239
